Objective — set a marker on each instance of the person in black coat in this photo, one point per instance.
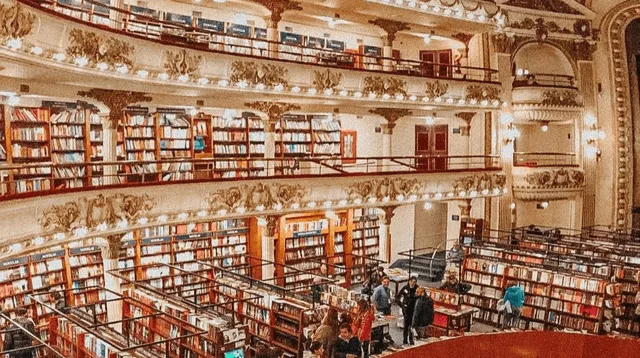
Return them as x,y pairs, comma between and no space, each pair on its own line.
16,337
347,345
406,299
422,313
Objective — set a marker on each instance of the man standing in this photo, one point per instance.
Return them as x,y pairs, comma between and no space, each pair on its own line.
515,296
406,298
381,297
16,337
423,313
347,345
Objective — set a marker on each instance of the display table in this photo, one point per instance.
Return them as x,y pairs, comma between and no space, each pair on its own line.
379,329
450,317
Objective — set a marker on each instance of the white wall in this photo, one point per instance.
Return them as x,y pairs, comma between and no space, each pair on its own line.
411,45
559,138
560,213
369,143
543,58
402,230
430,225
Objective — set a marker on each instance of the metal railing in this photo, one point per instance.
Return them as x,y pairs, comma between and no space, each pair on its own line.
544,159
190,35
544,80
18,180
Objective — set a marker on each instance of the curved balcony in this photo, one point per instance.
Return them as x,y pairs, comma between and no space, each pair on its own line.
550,182
546,98
200,38
27,180
544,159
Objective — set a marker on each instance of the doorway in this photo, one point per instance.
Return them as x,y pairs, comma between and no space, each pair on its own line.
436,63
432,141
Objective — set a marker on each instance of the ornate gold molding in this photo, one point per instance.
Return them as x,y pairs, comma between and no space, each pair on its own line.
278,7
273,110
465,39
559,98
326,80
385,189
257,197
560,178
389,213
485,182
391,27
253,74
15,22
91,212
504,43
391,115
96,48
542,27
182,63
482,93
115,245
544,5
116,101
467,117
381,86
436,89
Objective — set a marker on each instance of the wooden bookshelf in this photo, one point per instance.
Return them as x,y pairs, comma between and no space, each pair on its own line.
69,145
471,229
366,242
176,142
87,274
140,142
96,148
240,137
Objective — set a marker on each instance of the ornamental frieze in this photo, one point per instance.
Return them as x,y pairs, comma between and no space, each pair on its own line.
480,183
97,49
560,98
384,86
326,80
436,89
15,22
256,197
480,93
92,212
389,188
561,178
251,73
182,63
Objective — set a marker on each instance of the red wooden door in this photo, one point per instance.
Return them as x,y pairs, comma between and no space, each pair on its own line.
436,63
432,141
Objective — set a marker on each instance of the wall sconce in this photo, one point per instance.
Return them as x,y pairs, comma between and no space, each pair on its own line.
591,136
511,133
544,126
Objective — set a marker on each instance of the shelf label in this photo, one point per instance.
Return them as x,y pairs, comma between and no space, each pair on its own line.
307,233
372,51
16,261
290,38
61,105
315,42
137,110
84,250
199,235
156,240
144,11
171,110
233,231
47,255
211,25
335,45
260,33
239,30
183,19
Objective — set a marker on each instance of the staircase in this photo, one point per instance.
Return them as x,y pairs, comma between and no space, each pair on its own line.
420,265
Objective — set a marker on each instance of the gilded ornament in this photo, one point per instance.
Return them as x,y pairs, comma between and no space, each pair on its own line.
436,89
15,22
278,7
381,86
273,110
482,93
256,197
390,188
391,27
116,101
253,74
91,212
97,48
504,43
391,115
480,183
324,80
182,64
561,178
560,98
544,5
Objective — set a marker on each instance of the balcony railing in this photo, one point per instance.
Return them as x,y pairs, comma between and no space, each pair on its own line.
544,159
191,36
544,80
48,178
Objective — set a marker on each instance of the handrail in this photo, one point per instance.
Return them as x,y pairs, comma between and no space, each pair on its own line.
544,159
206,40
544,80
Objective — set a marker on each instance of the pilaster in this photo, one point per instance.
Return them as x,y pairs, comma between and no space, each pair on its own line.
589,157
112,283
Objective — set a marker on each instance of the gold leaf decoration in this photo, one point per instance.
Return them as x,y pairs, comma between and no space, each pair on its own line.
324,80
256,197
481,93
561,178
91,212
15,22
480,182
97,48
274,111
116,101
182,63
560,98
381,86
390,188
252,73
436,89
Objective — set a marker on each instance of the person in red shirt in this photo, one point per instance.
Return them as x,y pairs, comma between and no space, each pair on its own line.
362,325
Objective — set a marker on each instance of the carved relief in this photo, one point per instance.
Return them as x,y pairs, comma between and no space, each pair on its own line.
116,101
391,27
274,111
252,73
561,178
181,63
381,86
541,26
324,80
92,212
256,197
278,7
99,49
480,183
544,5
504,43
391,115
481,93
15,23
436,89
560,98
389,188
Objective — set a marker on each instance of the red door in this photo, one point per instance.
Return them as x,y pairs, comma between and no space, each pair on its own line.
436,63
432,141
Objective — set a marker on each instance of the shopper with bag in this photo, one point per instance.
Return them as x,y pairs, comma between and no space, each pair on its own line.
422,314
512,302
406,299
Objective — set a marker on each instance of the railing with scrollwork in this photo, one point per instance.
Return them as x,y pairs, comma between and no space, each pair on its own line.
166,32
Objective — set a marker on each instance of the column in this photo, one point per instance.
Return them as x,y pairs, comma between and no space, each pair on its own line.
389,212
277,8
272,37
391,28
269,147
387,53
109,152
391,115
268,247
589,158
505,221
111,282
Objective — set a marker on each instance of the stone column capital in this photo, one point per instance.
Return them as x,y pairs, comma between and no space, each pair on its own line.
116,101
391,27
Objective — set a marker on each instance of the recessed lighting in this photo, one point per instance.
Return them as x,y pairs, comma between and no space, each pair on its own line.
223,83
295,89
59,56
163,76
122,69
183,78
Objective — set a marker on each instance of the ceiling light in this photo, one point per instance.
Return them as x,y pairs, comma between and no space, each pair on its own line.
14,44
102,66
428,205
163,76
36,50
544,126
203,80
429,121
59,56
143,73
427,38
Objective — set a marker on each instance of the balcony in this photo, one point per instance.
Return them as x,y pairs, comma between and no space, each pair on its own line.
549,182
544,159
546,98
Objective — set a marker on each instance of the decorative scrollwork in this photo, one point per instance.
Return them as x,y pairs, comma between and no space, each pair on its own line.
256,197
389,188
480,183
381,86
91,212
15,23
253,74
561,178
324,80
96,48
482,93
436,89
560,98
116,101
181,63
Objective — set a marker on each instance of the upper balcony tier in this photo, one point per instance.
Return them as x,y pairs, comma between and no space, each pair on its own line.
546,98
141,50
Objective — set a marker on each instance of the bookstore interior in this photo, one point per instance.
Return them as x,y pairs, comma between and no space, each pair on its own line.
226,178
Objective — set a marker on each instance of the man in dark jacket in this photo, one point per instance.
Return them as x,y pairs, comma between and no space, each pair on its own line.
406,298
423,313
16,338
347,345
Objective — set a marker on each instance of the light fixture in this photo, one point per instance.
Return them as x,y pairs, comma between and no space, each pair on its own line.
312,91
512,206
260,86
203,80
473,194
262,222
543,205
438,196
328,91
544,126
260,207
462,194
222,212
183,216
162,218
102,66
59,56
427,38
37,50
143,73
58,236
428,205
122,69
295,205
163,76
143,220
243,84
279,87
122,224
312,204
202,213
38,241
192,111
102,226
344,93
223,83
295,89
15,247
342,202
13,100
413,98
357,94
14,44
327,204
241,210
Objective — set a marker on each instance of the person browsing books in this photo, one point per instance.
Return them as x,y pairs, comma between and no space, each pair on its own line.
16,336
381,297
361,326
328,330
316,349
406,299
513,300
453,285
347,345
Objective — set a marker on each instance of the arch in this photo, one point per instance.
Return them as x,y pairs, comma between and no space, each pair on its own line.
613,26
549,46
528,56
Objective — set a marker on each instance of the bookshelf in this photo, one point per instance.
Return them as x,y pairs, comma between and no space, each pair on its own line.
96,145
366,242
140,143
68,145
4,175
87,274
288,325
471,229
239,137
175,131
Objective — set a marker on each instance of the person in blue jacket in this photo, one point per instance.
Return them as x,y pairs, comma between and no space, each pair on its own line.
514,295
